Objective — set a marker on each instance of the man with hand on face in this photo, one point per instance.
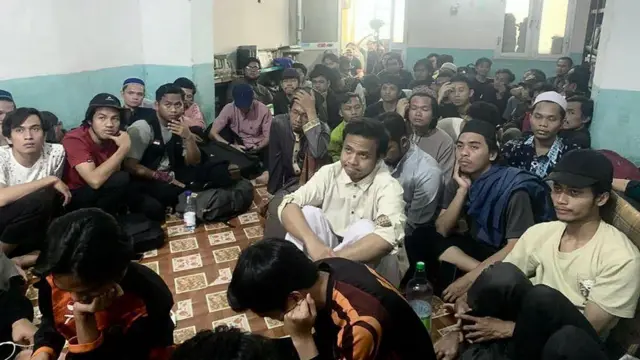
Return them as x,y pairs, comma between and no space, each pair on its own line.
92,295
390,93
352,208
192,115
564,285
323,79
351,108
540,152
95,152
355,312
163,154
497,204
283,99
30,173
133,91
459,94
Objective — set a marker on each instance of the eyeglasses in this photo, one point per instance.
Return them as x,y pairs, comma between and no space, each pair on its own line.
252,67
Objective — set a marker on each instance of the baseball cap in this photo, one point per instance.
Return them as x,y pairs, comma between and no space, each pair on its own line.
290,73
6,96
242,95
582,168
105,100
484,128
552,96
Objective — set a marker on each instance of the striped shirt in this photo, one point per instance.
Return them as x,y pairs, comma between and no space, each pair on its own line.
365,317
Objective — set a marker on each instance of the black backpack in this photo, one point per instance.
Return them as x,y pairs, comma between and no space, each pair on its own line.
146,234
221,205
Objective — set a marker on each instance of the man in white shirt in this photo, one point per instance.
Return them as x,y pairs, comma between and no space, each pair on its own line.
564,282
352,208
30,172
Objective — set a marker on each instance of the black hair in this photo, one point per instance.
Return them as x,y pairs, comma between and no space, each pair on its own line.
463,79
89,244
391,79
185,83
344,61
301,67
567,59
586,105
485,111
512,76
253,60
415,83
346,97
435,108
432,55
580,76
396,126
394,56
539,74
541,87
225,343
369,129
266,273
324,71
370,82
50,120
445,58
17,117
331,56
424,62
91,110
169,89
484,60
446,73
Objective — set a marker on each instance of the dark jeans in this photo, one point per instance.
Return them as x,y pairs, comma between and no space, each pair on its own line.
232,138
110,197
426,244
24,222
548,325
152,198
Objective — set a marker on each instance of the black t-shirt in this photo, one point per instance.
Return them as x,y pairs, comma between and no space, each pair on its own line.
580,137
519,213
374,110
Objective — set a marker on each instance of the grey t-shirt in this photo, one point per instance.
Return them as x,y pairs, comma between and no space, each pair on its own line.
441,147
142,136
519,214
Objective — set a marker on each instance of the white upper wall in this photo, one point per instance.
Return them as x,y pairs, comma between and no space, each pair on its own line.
477,25
166,31
247,22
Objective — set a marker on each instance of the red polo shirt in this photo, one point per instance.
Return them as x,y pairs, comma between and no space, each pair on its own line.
81,148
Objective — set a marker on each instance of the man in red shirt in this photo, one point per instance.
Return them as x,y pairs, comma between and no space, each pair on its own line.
95,152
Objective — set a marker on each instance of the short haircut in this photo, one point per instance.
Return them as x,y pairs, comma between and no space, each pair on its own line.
424,62
391,79
567,59
432,55
484,60
446,73
346,97
586,105
510,73
49,120
463,79
89,244
370,82
485,111
445,58
435,108
253,60
539,74
167,89
301,67
394,56
415,83
331,56
322,70
396,126
17,117
185,83
225,343
266,273
579,76
369,129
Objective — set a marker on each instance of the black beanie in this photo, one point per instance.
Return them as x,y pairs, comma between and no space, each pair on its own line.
484,128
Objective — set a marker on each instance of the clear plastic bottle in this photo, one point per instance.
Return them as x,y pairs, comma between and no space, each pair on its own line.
189,216
419,295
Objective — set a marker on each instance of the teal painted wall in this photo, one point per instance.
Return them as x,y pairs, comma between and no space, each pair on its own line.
469,56
67,95
615,123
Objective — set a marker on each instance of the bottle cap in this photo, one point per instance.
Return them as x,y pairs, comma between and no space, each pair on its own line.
187,193
420,266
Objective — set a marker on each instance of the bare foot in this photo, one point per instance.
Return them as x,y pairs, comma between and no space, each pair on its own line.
263,178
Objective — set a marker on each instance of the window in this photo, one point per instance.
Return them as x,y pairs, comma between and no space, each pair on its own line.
536,28
398,21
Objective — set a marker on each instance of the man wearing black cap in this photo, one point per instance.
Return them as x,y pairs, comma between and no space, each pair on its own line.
95,152
282,99
390,92
133,90
251,76
497,204
565,282
7,105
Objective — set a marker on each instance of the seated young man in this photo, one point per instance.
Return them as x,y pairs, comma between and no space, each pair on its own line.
539,153
251,76
7,105
324,80
193,117
356,313
95,152
352,208
417,172
163,154
565,282
393,66
390,93
498,204
283,99
133,91
455,98
351,107
30,172
575,127
92,295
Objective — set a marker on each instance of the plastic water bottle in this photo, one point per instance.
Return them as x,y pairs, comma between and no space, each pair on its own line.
189,216
419,295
